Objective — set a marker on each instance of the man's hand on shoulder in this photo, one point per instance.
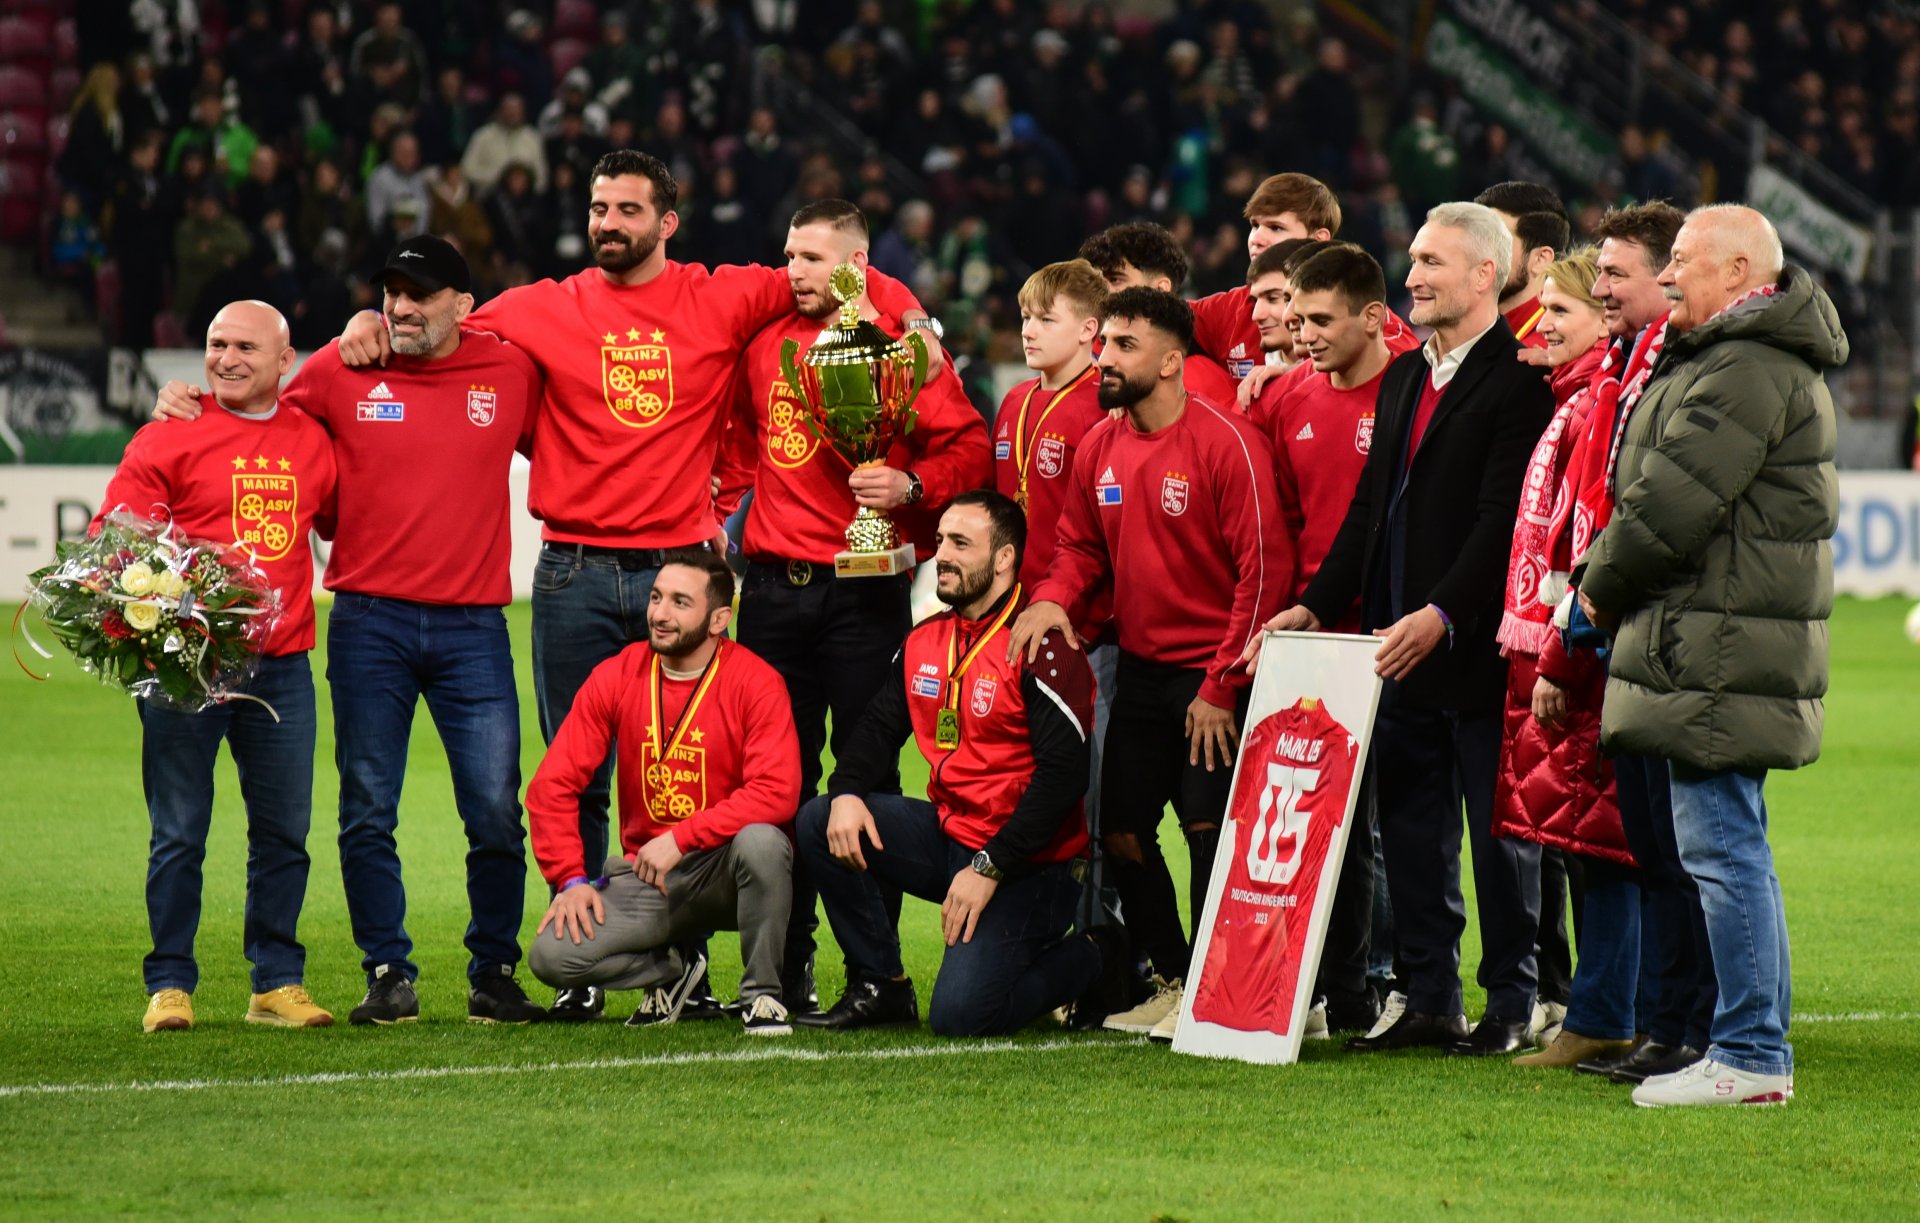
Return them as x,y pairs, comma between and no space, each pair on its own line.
178,401
364,340
1035,623
574,913
1255,381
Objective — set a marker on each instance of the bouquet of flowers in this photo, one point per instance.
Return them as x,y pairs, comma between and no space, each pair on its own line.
156,614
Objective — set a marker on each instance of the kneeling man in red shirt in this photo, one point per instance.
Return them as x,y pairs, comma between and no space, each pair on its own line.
996,838
709,770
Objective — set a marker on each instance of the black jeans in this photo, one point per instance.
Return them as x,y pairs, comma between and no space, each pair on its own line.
1020,963
1429,761
833,641
1145,769
1676,962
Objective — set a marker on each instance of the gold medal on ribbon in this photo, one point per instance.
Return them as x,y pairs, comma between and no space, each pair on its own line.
946,729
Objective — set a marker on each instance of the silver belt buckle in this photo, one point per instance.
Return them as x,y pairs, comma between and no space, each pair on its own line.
799,573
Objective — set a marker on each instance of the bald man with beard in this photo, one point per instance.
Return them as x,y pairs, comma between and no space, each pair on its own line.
1715,577
259,474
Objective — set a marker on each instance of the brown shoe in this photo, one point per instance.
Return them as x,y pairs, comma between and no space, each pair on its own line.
1570,1048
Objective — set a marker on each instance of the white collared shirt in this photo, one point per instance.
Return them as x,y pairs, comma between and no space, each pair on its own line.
1444,368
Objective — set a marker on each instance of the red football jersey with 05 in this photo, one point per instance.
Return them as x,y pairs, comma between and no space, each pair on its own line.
1289,799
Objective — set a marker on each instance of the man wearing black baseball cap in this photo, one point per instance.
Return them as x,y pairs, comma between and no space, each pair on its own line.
419,575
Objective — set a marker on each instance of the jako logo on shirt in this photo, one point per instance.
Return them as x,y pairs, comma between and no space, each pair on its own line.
1173,494
1106,490
480,405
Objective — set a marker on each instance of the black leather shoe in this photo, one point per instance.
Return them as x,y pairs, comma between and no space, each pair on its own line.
1415,1030
1611,1062
1654,1058
1491,1037
867,1004
797,988
1352,1012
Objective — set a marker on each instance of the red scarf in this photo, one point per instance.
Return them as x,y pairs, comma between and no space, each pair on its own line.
1585,503
1534,582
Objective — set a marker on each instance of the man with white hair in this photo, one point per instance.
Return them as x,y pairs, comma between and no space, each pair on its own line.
1716,578
1423,555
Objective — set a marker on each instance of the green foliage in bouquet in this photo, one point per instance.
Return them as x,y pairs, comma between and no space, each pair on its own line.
155,614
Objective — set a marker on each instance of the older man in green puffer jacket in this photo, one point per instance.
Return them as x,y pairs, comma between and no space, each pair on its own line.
1716,575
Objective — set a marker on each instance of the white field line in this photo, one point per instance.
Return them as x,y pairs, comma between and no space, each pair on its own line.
728,1057
1860,1017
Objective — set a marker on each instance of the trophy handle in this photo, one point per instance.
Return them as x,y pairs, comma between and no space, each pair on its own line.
791,372
917,345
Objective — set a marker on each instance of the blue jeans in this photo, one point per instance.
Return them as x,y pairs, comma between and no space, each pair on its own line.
1606,979
383,655
587,607
1720,823
1021,962
275,763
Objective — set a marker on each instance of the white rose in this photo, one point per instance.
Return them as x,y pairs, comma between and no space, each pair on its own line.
168,584
136,579
141,617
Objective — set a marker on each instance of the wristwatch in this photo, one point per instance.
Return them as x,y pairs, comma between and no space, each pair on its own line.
915,489
983,865
929,324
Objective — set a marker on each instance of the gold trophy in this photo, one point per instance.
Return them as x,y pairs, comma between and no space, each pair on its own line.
856,387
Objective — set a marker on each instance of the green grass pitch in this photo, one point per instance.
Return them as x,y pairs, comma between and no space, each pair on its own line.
443,1119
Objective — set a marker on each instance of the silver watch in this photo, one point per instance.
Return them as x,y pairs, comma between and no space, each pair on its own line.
929,324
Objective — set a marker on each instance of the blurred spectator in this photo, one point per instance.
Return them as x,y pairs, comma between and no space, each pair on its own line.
672,143
142,108
399,178
906,250
331,211
727,231
507,140
522,226
447,120
387,59
1425,165
139,222
568,201
713,45
618,71
1644,174
266,188
227,142
168,31
1330,100
205,243
870,25
573,145
94,138
575,99
929,138
765,162
454,214
521,65
276,262
317,72
326,300
74,248
257,62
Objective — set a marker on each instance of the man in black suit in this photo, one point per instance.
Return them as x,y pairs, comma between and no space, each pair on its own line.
1424,551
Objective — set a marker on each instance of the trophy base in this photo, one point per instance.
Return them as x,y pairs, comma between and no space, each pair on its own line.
873,564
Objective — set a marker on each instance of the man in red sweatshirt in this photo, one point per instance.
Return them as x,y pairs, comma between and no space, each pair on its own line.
709,771
639,354
1283,207
831,639
994,840
1174,506
259,473
1141,254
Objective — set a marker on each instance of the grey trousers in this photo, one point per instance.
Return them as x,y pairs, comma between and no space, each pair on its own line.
745,885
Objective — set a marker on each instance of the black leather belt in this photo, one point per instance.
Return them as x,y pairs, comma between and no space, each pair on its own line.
626,558
792,572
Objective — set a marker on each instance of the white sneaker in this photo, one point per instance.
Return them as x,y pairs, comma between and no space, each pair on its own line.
766,1016
1390,1012
1142,1019
1316,1028
1711,1082
1545,1022
1164,1030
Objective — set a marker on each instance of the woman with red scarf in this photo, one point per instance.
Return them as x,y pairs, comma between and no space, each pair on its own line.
1554,785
